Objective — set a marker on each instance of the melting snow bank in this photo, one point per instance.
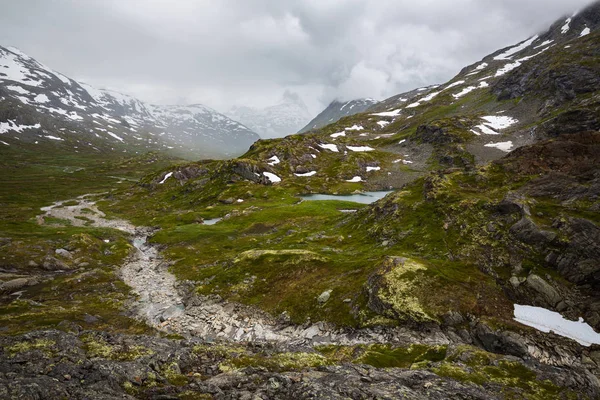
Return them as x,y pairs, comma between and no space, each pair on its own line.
393,113
311,173
355,179
167,176
273,161
355,128
360,148
546,321
12,126
504,146
331,147
493,124
272,177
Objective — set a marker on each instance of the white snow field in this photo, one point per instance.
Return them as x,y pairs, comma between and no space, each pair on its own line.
546,321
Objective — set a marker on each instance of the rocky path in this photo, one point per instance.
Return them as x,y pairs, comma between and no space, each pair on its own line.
164,305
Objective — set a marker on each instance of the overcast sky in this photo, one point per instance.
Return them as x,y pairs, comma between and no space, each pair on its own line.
248,52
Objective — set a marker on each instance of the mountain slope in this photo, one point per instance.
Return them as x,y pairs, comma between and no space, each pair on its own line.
77,116
494,208
337,110
275,121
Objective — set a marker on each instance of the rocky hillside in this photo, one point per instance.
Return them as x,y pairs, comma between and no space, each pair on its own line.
336,111
276,121
39,106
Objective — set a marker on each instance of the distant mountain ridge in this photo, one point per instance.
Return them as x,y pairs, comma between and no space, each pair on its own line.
76,114
337,110
279,120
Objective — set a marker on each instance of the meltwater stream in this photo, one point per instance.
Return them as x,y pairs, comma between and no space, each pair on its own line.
145,271
160,304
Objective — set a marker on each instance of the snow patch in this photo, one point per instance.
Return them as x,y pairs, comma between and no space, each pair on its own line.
41,98
311,173
273,161
115,136
12,126
545,43
167,176
17,89
454,84
585,32
507,68
393,113
499,122
383,124
369,169
504,146
493,124
54,138
272,177
566,26
359,148
464,91
515,49
334,135
331,147
354,128
545,320
355,179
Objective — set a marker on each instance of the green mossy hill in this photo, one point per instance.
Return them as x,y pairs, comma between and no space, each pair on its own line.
519,216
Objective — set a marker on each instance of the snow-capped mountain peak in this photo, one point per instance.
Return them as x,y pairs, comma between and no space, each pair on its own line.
81,115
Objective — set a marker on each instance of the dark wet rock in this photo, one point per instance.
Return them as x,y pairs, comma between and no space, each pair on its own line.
528,232
453,318
63,253
579,257
571,122
90,319
504,342
577,155
53,264
249,171
16,284
545,293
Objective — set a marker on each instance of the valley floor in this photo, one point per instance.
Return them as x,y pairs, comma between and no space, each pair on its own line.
91,308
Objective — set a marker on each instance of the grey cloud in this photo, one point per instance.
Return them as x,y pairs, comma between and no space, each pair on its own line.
225,52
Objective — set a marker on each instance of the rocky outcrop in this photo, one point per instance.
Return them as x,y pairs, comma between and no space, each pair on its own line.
95,365
578,259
